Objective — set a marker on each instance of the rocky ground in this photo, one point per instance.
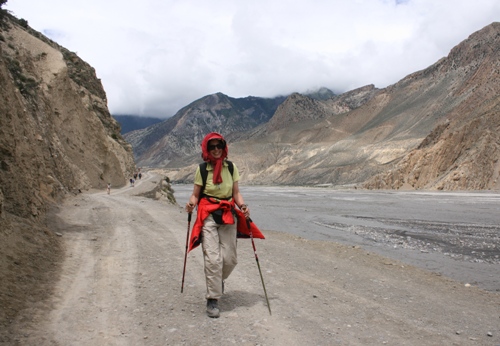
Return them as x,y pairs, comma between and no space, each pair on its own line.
120,283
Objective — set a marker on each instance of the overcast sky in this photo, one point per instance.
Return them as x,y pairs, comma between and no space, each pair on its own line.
157,56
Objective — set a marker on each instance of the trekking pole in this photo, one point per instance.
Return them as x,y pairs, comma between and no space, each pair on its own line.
186,253
258,265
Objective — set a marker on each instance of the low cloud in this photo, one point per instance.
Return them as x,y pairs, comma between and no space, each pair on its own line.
154,57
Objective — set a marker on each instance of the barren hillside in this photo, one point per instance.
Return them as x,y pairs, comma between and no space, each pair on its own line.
57,139
434,129
463,150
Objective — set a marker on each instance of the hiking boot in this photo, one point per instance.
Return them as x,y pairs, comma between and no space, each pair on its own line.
213,308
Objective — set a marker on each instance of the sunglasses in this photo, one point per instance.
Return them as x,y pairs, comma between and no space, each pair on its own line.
218,146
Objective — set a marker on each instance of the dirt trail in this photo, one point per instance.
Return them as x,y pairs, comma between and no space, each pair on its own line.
120,285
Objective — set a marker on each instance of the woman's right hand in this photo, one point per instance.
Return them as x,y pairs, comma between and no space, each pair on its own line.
193,199
189,207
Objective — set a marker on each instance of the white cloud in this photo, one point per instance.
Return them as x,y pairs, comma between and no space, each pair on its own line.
156,56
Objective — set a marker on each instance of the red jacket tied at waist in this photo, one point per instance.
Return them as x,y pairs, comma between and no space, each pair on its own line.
207,206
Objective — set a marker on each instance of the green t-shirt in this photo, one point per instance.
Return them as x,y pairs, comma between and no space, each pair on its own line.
222,190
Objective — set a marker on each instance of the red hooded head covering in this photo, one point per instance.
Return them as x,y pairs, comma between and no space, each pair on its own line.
207,157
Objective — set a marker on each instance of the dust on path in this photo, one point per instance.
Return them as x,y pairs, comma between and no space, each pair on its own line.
120,285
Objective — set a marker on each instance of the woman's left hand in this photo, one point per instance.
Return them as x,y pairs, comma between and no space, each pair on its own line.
246,211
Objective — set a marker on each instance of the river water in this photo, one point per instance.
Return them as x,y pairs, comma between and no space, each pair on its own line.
455,234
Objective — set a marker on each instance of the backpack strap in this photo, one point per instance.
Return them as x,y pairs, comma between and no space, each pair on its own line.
204,175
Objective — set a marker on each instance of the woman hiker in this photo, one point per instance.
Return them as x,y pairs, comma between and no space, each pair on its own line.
216,193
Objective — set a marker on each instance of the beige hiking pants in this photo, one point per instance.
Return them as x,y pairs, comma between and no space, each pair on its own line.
219,252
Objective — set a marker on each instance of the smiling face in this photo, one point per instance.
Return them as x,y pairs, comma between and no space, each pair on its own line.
215,148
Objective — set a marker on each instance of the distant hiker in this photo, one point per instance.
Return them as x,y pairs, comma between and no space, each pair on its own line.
216,193
140,175
109,188
131,182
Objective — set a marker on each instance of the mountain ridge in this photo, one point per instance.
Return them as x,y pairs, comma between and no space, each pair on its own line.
179,136
358,138
463,149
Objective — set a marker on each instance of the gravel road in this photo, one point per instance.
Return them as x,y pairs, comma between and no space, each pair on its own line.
121,277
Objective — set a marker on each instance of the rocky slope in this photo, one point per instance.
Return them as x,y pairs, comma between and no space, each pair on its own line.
169,142
56,138
435,129
463,150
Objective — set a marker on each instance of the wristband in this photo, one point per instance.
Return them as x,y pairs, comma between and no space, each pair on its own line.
243,206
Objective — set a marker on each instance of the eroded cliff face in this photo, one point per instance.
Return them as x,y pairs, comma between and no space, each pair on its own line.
56,138
463,150
438,128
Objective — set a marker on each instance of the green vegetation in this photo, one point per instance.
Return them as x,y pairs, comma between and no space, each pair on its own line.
41,56
23,23
26,85
2,12
167,189
82,73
